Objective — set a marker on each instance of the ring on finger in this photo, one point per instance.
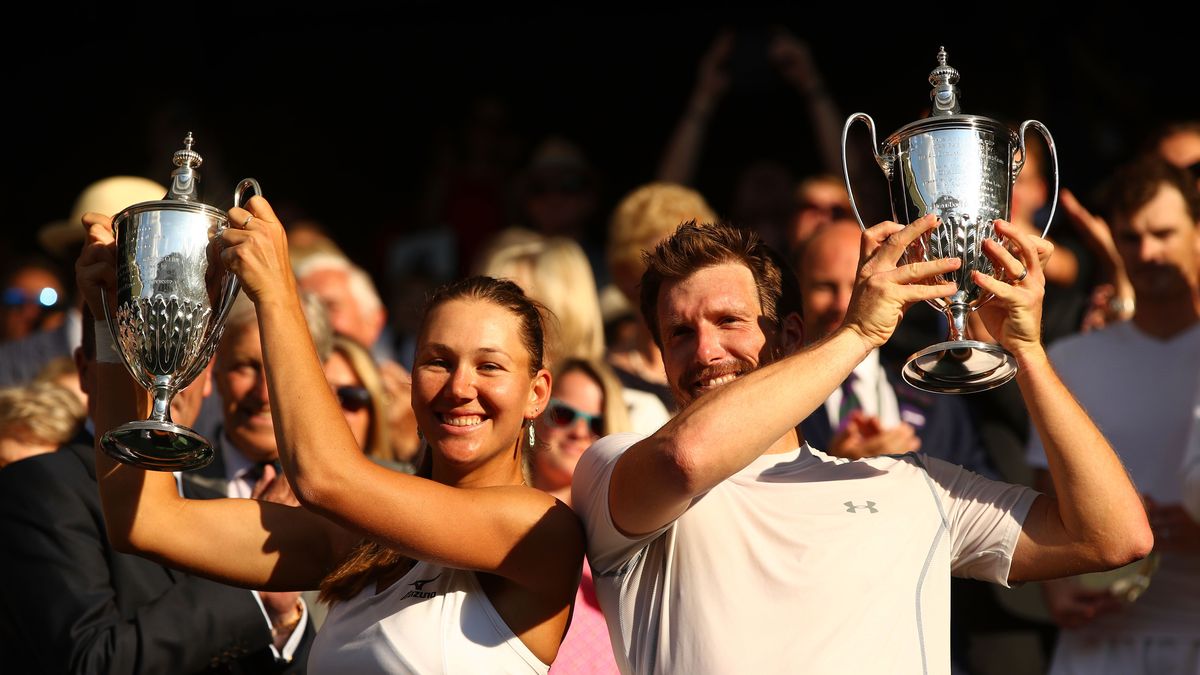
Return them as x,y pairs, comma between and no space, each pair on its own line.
1024,273
248,219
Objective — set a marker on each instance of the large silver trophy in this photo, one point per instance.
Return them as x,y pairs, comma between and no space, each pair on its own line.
961,167
173,294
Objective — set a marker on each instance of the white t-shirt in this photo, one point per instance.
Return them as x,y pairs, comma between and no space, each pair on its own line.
433,620
801,562
1140,391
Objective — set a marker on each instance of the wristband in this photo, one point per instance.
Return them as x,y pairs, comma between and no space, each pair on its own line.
106,348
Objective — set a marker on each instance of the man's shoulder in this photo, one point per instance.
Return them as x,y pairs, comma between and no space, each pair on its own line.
33,473
1081,345
606,451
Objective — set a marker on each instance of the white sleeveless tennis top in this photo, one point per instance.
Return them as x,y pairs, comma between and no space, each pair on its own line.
433,620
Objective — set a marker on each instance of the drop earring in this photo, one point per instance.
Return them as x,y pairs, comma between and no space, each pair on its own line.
531,438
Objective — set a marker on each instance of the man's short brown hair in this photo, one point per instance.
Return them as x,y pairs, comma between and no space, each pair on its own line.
1133,185
696,246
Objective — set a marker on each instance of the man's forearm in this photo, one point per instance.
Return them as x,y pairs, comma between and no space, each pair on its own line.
1099,508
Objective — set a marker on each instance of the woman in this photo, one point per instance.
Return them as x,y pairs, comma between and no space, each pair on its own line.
463,570
355,380
586,404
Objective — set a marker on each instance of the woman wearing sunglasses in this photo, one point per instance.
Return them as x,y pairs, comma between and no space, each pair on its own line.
585,404
358,386
461,568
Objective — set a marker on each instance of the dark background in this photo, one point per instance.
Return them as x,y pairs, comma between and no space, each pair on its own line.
339,112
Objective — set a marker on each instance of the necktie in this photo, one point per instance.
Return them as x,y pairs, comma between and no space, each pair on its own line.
849,403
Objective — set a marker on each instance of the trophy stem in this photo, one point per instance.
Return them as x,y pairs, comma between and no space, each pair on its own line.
161,412
958,313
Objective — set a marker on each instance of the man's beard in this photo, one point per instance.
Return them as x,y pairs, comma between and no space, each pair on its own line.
689,387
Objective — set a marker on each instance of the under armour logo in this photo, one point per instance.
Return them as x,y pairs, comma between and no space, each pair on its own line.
419,584
852,508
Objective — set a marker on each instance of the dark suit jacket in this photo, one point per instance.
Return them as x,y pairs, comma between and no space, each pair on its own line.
69,603
942,422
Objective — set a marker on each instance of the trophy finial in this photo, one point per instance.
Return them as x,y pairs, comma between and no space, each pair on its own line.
184,179
187,157
944,94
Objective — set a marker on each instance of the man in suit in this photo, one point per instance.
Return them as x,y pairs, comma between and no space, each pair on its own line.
72,604
874,412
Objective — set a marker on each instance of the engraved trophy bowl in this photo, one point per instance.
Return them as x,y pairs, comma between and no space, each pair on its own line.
173,294
962,168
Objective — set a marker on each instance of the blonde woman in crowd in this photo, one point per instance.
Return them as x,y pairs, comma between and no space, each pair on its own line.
585,405
36,418
461,568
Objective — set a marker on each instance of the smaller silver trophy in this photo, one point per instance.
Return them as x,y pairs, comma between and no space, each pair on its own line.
961,167
173,294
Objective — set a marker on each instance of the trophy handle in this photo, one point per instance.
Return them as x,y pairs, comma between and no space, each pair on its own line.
884,162
112,330
251,184
1041,129
231,290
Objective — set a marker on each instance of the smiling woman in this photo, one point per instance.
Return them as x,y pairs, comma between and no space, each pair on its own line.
461,568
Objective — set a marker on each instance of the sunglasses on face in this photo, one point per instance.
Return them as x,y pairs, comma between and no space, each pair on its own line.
559,415
353,398
18,297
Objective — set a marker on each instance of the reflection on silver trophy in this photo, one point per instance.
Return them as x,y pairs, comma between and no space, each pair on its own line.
962,168
173,294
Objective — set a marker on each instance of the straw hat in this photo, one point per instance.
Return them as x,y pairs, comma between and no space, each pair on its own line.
108,196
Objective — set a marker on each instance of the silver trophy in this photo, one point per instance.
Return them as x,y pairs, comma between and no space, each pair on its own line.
961,167
173,294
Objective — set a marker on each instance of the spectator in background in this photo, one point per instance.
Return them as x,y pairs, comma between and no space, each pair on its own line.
356,311
555,272
36,418
359,388
819,201
585,404
873,412
1179,144
78,605
20,360
62,371
33,300
245,450
558,196
1138,379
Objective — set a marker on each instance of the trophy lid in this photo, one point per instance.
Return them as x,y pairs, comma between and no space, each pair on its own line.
185,180
184,191
946,112
944,94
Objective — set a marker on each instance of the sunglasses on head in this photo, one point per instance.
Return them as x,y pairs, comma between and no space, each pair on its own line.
560,415
353,398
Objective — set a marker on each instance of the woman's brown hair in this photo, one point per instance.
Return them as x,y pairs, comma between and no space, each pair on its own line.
369,559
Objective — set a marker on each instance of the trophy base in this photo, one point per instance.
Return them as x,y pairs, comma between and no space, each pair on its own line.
959,367
158,446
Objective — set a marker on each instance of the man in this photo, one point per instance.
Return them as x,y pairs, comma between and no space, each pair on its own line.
21,360
873,412
73,604
244,445
724,544
1138,379
643,218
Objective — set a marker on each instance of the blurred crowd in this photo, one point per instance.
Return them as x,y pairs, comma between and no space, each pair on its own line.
1121,318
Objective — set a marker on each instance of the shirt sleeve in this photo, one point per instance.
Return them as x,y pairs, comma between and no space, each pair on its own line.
608,548
985,518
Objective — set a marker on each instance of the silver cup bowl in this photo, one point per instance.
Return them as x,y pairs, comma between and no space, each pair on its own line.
173,294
